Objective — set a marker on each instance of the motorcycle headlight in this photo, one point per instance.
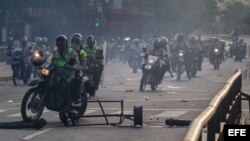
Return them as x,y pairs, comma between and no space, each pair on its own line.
181,54
45,72
216,50
36,54
151,61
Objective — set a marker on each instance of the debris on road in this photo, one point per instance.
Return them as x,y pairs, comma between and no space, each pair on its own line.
130,79
183,100
176,122
129,91
146,98
10,101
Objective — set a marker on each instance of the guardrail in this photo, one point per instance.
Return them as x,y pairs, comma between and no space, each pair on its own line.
225,108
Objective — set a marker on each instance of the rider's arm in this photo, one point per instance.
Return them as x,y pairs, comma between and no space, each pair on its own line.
76,65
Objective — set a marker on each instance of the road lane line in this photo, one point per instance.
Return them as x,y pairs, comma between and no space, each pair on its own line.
2,111
171,114
124,112
15,115
10,104
174,87
36,134
19,114
188,99
151,109
87,112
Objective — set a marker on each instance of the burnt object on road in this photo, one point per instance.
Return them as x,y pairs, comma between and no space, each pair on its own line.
38,124
176,122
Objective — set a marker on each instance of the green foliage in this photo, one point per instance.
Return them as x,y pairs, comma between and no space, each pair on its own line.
236,13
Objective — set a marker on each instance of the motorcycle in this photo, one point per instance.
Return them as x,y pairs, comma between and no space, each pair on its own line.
216,59
53,92
194,62
239,54
21,68
151,73
136,60
180,64
93,76
123,54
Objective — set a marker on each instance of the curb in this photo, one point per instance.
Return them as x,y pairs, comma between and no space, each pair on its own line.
6,78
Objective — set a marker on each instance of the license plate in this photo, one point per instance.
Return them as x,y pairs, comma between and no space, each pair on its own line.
148,67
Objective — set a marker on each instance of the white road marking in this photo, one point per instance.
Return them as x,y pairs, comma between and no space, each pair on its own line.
174,87
124,112
6,103
15,115
19,114
197,99
2,111
153,109
87,112
90,111
171,114
36,134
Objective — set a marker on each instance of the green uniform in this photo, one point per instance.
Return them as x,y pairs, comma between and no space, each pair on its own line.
91,52
82,58
63,63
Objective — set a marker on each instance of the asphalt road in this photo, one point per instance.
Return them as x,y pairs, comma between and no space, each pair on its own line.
183,99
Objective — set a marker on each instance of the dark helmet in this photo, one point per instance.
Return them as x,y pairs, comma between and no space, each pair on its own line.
90,40
192,39
44,40
241,41
61,42
164,40
235,34
136,42
24,40
179,37
157,43
76,38
38,40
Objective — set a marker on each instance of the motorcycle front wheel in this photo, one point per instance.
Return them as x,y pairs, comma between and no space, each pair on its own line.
16,76
84,101
154,87
32,105
144,82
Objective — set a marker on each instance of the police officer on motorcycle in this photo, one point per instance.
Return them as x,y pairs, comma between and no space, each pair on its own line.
181,45
76,44
165,55
160,52
94,58
66,59
26,66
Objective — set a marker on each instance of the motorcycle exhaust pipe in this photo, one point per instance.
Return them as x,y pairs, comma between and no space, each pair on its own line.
38,124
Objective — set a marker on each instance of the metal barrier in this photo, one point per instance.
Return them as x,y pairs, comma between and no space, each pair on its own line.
225,108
